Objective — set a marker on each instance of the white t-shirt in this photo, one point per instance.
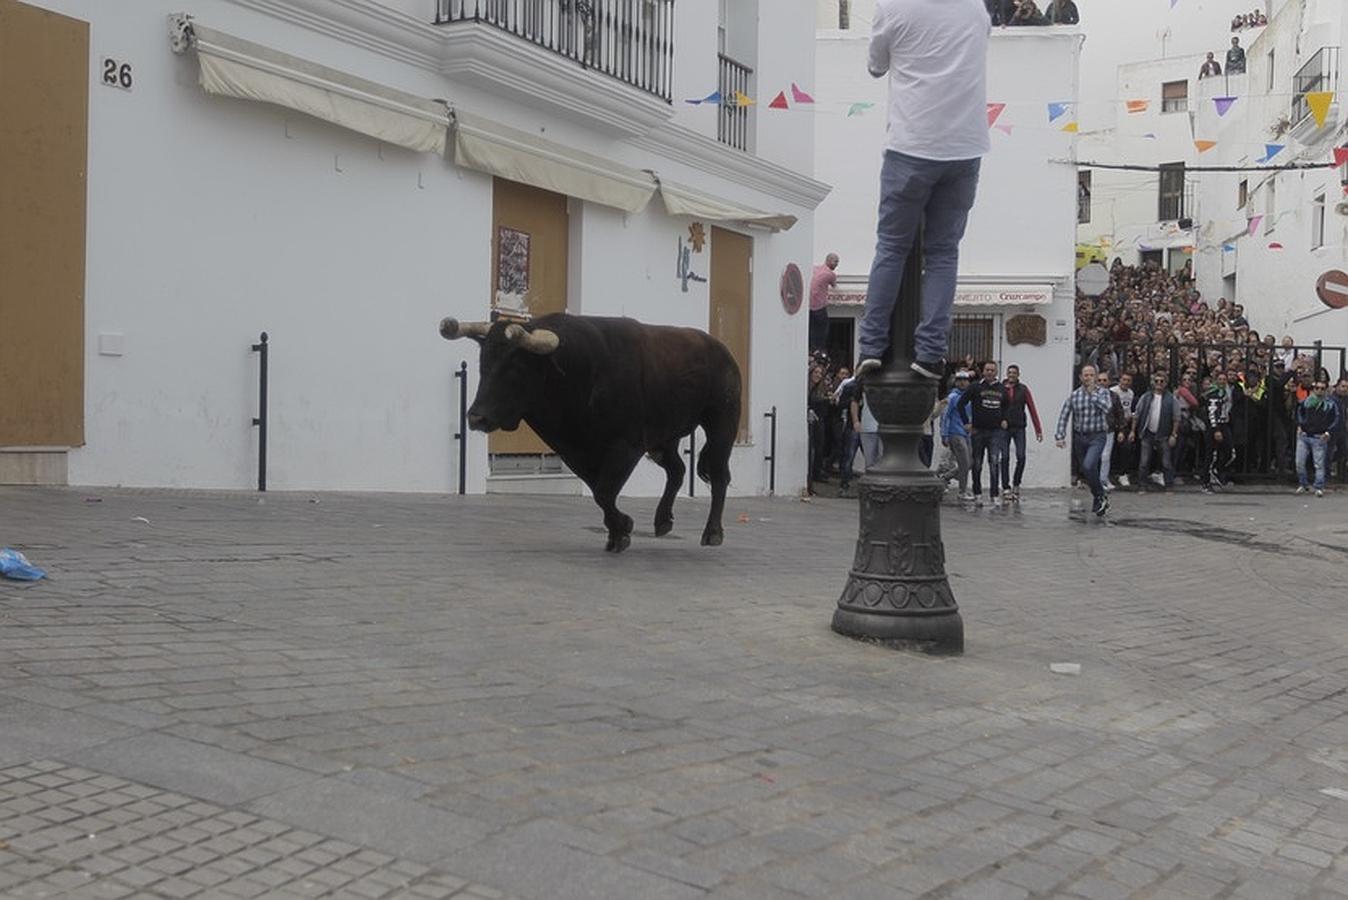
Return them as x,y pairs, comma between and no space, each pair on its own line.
1154,412
936,55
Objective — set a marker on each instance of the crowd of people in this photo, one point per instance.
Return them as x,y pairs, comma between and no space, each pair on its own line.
1194,395
1240,396
1027,12
1254,19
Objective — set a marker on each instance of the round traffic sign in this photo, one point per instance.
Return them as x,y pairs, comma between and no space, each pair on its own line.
1092,279
792,288
1332,289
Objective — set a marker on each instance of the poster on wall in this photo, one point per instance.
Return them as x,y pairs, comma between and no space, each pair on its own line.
512,270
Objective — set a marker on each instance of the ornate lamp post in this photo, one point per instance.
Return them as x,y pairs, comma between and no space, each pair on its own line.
897,592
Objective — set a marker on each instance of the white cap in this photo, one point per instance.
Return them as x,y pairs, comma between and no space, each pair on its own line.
964,374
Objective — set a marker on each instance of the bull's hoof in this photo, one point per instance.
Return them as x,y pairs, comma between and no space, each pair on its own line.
712,538
664,526
627,524
618,543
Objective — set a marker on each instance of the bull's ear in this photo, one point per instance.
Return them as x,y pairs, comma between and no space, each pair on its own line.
452,329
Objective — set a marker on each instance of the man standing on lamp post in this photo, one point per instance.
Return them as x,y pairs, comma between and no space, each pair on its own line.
935,55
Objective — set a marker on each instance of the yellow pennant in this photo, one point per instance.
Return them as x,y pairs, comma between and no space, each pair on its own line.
1319,101
1071,127
743,99
1204,146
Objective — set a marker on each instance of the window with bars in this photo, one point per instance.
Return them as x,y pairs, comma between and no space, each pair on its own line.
1242,193
1318,222
973,336
1171,192
1174,96
1083,197
844,15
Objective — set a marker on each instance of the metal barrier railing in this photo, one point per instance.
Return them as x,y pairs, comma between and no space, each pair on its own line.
260,421
771,457
462,434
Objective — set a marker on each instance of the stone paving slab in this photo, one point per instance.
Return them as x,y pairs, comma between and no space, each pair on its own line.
469,689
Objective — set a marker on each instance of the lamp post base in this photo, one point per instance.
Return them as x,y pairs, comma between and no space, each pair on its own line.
897,592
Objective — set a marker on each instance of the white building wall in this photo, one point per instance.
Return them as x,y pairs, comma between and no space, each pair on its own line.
211,220
1023,226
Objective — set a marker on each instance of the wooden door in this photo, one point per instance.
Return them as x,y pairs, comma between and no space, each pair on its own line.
44,114
731,290
529,257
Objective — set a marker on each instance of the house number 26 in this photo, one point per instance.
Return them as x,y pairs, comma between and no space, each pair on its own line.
116,74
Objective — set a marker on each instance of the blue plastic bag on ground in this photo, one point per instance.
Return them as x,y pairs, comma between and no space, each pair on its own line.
15,565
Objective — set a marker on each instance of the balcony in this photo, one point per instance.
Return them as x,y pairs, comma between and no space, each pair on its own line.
732,125
1320,73
630,40
607,63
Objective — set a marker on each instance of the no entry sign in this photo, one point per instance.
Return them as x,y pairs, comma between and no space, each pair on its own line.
1332,289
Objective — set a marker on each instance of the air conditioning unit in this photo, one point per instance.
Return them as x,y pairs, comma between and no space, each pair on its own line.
1341,208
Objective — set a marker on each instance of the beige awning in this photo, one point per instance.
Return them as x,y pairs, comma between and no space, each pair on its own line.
515,155
684,201
233,67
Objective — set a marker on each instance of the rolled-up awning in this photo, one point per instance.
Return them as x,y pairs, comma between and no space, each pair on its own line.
505,152
233,67
684,201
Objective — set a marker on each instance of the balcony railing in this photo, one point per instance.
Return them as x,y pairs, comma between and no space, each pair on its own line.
1320,73
630,40
732,126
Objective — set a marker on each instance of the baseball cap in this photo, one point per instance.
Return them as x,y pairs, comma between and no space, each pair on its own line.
963,373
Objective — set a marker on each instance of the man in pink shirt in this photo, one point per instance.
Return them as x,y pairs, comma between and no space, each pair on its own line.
824,278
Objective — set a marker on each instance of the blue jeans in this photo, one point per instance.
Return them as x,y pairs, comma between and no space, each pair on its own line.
1090,448
850,442
934,194
991,442
1015,437
1317,449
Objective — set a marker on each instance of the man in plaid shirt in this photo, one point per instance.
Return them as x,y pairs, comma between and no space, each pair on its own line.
1088,408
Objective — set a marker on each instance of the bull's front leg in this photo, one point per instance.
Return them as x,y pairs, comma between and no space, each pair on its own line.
613,474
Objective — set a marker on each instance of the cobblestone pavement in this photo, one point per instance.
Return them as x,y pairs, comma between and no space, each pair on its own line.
413,696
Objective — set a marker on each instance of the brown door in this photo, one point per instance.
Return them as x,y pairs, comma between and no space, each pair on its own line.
731,290
44,114
529,253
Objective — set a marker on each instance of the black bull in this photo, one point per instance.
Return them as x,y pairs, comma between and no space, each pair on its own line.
602,392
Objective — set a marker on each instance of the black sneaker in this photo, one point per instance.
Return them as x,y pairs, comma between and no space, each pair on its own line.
1103,507
1095,506
929,368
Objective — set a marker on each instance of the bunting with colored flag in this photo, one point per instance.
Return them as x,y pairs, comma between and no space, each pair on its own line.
742,99
1319,102
1228,248
1223,104
1204,146
713,97
779,102
1270,151
1071,128
800,96
994,110
1138,106
1057,110
1254,225
1340,157
857,109
1004,129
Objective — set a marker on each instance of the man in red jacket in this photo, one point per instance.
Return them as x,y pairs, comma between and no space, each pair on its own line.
1018,400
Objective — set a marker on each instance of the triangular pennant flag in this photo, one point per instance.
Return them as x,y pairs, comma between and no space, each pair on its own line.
1071,127
1004,129
742,99
1150,135
1319,101
1173,3
1228,248
800,96
857,109
1340,156
1270,151
1057,110
1274,245
1223,104
1204,146
779,102
994,110
1254,225
695,101
1138,106
713,97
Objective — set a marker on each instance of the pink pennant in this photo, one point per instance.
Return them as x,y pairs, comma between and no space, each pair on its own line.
800,96
994,110
1274,245
1254,224
1004,129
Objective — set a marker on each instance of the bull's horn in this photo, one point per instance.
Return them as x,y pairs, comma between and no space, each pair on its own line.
452,329
540,340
